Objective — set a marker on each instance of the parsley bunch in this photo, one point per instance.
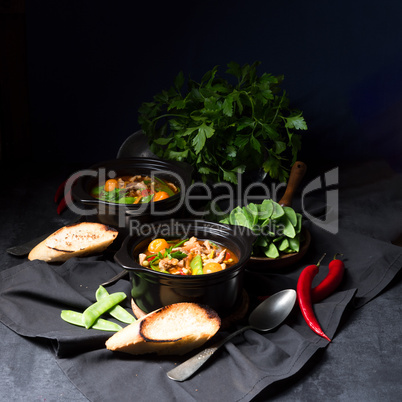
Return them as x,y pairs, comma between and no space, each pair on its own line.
222,128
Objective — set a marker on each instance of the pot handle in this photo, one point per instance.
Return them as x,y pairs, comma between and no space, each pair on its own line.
296,176
121,257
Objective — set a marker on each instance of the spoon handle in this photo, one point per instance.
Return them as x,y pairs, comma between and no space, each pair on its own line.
190,366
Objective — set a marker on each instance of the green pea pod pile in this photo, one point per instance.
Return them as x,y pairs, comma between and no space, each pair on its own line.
278,228
91,317
75,318
117,311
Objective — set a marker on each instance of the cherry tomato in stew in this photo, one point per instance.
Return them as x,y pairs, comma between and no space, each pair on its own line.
160,195
111,184
211,267
157,245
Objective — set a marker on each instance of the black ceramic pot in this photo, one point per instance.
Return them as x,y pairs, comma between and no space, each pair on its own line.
220,290
125,216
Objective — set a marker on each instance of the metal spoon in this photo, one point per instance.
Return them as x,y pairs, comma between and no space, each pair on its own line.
116,278
265,317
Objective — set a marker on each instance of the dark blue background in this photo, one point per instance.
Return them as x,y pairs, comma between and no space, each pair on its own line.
91,64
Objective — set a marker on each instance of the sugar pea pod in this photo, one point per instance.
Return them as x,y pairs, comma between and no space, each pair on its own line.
196,265
304,298
73,317
95,310
329,284
117,311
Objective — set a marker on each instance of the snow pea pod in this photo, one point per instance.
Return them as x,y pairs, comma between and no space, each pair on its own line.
196,265
75,318
117,311
95,310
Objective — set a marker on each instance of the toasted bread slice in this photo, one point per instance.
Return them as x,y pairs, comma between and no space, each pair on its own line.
174,329
75,240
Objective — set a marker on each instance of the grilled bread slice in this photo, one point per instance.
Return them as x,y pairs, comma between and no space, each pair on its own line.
75,240
174,329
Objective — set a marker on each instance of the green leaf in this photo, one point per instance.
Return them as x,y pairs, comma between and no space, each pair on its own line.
162,141
177,104
207,130
211,104
261,242
178,254
229,176
239,169
231,151
177,125
270,131
297,122
179,80
209,76
162,97
280,146
242,220
284,244
199,141
294,244
245,122
272,251
299,223
277,210
265,209
291,214
287,227
177,156
189,130
255,144
228,106
271,167
205,170
242,140
232,215
252,214
234,69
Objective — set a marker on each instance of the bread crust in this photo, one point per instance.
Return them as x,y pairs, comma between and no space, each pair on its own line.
174,329
76,240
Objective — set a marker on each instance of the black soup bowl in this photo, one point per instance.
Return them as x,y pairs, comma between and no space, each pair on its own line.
122,216
220,290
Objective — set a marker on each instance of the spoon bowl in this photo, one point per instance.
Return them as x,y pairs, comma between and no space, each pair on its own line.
265,317
272,311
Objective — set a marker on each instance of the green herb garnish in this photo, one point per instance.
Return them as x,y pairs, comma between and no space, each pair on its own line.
224,128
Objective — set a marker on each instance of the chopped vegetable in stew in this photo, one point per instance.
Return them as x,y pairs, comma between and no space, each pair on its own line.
186,257
134,190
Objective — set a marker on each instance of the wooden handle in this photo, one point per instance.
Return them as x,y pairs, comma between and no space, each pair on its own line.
296,176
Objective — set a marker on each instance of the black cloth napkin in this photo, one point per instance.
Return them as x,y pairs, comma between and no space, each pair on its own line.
33,294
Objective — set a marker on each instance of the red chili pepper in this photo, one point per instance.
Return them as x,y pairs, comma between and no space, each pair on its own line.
59,191
63,203
304,297
64,198
330,282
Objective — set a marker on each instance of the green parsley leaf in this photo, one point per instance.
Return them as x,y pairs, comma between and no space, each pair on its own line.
296,122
